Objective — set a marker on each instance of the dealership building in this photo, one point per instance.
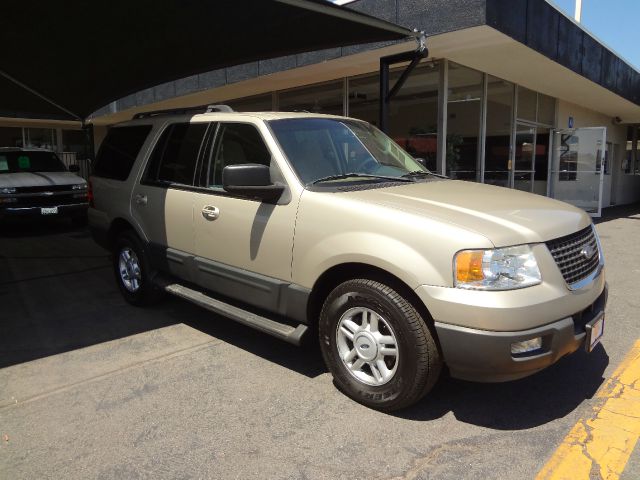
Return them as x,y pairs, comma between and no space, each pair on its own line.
511,92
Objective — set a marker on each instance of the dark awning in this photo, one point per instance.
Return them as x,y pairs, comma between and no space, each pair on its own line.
82,55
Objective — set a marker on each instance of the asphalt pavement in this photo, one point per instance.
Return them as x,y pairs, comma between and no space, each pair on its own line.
91,387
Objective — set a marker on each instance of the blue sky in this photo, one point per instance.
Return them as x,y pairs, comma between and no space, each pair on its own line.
614,22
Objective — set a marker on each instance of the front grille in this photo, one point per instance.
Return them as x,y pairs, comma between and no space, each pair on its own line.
569,254
44,188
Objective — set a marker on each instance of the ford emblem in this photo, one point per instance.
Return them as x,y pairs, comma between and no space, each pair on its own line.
588,251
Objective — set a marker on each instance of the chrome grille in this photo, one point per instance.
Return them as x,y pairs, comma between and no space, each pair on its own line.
569,254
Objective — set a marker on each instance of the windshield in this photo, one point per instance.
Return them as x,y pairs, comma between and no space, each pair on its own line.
17,162
323,150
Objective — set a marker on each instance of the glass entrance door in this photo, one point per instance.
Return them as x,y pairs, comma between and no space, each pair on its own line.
576,175
524,158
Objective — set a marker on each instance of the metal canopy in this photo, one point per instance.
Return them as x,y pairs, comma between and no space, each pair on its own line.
67,59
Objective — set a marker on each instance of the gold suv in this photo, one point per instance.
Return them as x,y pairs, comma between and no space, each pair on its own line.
294,223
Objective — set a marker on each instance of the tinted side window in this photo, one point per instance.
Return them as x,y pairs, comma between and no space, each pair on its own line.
175,155
237,143
119,150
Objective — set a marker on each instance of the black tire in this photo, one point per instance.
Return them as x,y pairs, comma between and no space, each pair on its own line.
418,358
146,294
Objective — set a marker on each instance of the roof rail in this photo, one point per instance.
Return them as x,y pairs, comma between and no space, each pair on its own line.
184,110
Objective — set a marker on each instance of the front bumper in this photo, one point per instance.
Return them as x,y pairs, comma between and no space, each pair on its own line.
65,210
485,356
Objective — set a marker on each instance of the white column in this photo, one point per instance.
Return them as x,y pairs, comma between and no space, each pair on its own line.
578,14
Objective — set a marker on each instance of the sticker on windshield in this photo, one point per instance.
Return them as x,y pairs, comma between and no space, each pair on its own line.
24,162
4,164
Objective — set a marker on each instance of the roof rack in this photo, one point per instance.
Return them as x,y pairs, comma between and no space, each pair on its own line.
184,110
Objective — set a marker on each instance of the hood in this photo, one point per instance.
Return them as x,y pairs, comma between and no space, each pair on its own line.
39,179
504,216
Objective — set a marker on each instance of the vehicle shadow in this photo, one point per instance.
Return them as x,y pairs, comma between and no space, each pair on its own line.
39,227
526,403
305,360
631,211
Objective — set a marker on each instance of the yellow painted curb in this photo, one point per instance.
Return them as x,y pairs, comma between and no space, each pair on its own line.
600,447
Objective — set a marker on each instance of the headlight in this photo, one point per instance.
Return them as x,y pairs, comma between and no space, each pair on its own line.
500,269
80,186
7,190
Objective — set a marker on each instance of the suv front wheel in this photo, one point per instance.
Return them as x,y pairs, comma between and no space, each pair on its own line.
133,271
377,345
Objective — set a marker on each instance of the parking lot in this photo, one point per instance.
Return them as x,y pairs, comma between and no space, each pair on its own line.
91,387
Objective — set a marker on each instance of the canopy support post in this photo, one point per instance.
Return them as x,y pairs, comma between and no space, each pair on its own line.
387,95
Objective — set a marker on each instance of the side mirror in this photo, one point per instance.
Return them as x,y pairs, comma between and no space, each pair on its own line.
74,168
250,180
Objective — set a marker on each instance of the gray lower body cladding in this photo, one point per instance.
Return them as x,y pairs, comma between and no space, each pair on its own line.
485,356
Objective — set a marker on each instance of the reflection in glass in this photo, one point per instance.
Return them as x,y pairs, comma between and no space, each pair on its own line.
527,104
463,122
498,139
524,157
546,109
257,103
41,138
325,98
541,161
413,111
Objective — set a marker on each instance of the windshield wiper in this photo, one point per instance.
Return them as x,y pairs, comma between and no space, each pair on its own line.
363,175
422,173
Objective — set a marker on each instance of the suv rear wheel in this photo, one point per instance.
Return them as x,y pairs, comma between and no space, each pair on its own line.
377,345
133,270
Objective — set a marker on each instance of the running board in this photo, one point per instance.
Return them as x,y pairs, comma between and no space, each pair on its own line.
279,330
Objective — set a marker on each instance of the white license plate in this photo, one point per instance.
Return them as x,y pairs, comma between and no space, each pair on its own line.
49,211
595,330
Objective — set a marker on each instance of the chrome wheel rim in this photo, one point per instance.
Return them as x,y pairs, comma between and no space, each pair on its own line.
129,269
367,346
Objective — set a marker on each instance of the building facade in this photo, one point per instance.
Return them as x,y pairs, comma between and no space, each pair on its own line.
512,93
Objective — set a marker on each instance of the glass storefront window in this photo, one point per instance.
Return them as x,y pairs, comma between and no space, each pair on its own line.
498,134
546,109
257,103
527,101
413,113
326,98
463,122
541,161
364,98
10,137
524,157
41,138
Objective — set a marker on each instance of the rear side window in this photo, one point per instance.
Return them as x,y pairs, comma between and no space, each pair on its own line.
119,150
175,156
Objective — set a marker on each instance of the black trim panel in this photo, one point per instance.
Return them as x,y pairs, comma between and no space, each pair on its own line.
260,291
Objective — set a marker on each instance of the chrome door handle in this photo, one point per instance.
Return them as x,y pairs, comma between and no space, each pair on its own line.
141,199
210,212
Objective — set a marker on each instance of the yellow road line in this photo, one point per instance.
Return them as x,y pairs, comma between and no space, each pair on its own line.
600,447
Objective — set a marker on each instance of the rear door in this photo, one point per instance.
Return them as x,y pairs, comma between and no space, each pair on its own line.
162,201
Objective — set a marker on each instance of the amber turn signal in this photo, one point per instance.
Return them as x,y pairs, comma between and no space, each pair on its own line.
469,266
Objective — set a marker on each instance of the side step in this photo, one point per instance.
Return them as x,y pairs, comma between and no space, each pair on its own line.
280,330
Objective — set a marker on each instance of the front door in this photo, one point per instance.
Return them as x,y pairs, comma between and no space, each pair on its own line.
576,172
243,246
